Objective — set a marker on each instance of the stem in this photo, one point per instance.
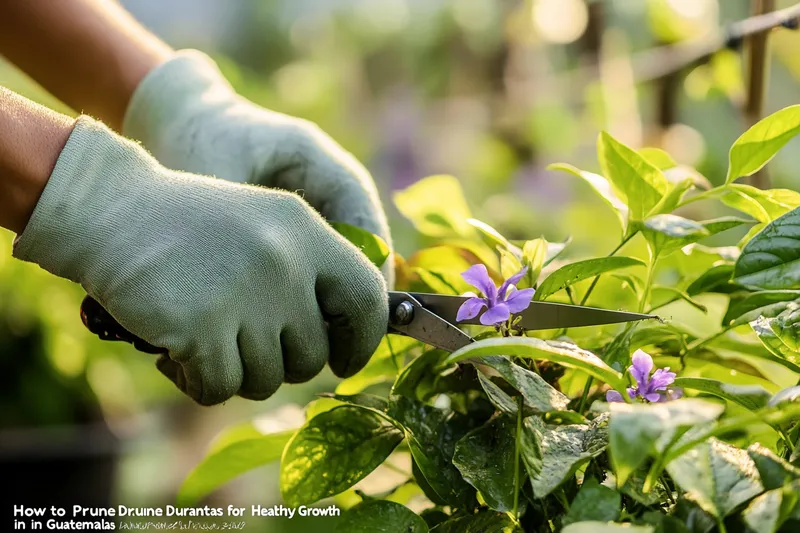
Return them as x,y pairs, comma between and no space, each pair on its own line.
721,525
516,458
597,278
757,81
590,381
786,439
666,486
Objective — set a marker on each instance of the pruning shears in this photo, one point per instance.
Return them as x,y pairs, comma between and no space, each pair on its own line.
429,318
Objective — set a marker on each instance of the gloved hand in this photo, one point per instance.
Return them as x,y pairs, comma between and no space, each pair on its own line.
235,280
190,118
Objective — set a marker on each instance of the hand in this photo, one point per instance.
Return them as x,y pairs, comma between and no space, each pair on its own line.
236,281
190,118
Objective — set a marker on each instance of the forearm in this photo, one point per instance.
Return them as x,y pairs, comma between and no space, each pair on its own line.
31,139
91,54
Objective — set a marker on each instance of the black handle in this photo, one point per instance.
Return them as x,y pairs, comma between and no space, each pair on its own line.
101,323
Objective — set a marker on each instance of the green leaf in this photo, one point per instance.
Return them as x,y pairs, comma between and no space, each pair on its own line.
639,431
380,516
715,279
787,327
563,353
231,460
669,233
417,372
671,200
601,186
422,204
432,435
485,457
605,527
333,451
382,366
763,205
484,521
492,237
540,396
640,184
552,454
497,395
759,144
369,401
581,270
756,302
658,157
787,395
773,471
534,255
780,353
372,245
594,502
717,476
771,511
751,397
510,265
442,282
771,260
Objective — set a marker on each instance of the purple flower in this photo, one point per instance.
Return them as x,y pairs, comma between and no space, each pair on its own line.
500,303
653,388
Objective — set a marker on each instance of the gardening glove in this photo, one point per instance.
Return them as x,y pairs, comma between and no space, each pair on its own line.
235,281
190,118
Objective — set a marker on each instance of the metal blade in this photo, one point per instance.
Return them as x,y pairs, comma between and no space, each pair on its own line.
540,315
409,317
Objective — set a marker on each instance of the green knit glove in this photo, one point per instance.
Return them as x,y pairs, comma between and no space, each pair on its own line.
236,281
190,118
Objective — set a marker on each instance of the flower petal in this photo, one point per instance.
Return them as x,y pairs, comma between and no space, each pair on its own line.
671,394
470,308
653,397
478,277
632,392
495,315
513,280
614,396
519,300
662,378
641,368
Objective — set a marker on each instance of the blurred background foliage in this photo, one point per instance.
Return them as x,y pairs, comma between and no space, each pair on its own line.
489,91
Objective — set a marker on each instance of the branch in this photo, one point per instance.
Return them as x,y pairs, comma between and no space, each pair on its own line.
758,65
662,61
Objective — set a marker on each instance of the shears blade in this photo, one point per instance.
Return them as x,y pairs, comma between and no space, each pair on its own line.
538,316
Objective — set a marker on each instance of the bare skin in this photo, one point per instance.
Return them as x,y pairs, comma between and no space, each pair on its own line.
90,54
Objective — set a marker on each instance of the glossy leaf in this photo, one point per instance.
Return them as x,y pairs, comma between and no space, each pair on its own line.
658,157
370,244
669,233
763,205
484,521
771,511
761,142
539,396
380,516
498,396
552,454
639,431
717,476
771,260
787,395
602,187
780,353
757,302
231,460
751,397
637,182
715,279
581,270
773,471
432,435
594,502
491,236
333,451
563,353
485,457
422,204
